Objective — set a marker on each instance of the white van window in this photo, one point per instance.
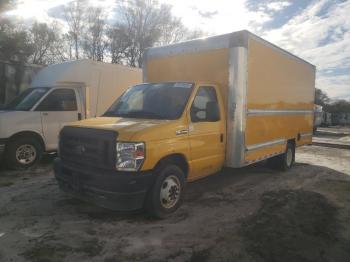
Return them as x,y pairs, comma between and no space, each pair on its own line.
59,100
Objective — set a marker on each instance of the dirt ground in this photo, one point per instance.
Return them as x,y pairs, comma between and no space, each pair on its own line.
249,214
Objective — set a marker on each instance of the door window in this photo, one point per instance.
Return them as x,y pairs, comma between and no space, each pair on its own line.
205,107
59,100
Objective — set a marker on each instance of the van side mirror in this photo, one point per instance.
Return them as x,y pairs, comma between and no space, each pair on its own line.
213,112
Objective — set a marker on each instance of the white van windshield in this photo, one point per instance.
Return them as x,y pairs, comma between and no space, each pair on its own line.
27,99
152,101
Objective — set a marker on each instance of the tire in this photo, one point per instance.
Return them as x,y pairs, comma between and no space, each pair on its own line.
286,160
160,201
23,152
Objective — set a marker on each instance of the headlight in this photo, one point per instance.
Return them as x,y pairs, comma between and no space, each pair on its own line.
130,156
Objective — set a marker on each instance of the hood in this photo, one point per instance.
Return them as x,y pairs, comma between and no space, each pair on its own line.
12,122
131,129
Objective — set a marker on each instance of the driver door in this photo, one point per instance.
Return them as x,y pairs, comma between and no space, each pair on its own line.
59,107
206,132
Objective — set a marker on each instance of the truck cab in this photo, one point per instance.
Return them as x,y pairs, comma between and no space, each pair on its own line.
30,124
151,141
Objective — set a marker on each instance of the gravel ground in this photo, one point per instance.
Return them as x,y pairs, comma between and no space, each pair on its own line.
248,214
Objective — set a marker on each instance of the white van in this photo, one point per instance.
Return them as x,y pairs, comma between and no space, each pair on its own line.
61,93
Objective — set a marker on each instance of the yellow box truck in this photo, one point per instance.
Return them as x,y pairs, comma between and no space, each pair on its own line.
228,100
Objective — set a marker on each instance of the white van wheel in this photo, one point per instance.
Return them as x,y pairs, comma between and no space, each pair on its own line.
26,154
23,152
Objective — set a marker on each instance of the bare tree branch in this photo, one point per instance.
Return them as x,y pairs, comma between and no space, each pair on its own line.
75,14
142,24
94,39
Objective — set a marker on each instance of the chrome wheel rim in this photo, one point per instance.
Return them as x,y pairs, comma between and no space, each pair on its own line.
26,154
289,156
170,191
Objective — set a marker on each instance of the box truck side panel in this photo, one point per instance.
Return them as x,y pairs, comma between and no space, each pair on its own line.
92,87
204,66
267,135
280,95
113,82
278,80
256,153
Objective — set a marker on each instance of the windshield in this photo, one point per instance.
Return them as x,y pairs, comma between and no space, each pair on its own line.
27,99
152,101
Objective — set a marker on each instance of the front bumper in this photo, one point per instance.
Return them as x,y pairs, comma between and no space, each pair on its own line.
121,191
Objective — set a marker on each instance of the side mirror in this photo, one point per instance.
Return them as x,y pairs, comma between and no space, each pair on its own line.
213,112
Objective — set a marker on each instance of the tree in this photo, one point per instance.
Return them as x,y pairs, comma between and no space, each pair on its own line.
194,34
74,14
339,106
46,42
175,32
141,21
172,32
15,43
94,43
321,98
142,24
5,4
118,43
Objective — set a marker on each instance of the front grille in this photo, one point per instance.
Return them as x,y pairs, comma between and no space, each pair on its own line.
88,147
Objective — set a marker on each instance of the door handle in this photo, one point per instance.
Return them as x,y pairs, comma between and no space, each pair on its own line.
45,114
221,138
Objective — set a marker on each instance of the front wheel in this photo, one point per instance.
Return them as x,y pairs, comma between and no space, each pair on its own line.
23,153
165,197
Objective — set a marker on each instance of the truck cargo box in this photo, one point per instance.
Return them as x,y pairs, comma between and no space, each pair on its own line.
269,92
102,82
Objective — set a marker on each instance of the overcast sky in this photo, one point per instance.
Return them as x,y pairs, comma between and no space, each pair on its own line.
318,31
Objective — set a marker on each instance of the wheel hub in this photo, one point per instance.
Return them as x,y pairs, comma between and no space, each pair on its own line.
170,192
26,154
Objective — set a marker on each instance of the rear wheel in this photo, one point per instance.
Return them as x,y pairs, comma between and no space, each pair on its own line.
286,160
165,197
23,152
